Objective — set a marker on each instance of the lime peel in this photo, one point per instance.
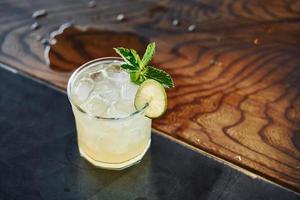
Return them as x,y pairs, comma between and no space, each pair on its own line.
152,93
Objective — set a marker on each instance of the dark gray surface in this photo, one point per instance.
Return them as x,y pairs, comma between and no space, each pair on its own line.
39,159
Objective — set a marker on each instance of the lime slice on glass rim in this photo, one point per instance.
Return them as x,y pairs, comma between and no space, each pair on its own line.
152,93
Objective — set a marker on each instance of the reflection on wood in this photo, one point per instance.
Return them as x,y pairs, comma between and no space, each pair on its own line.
237,73
74,46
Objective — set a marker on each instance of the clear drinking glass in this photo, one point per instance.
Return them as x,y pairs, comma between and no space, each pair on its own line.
114,142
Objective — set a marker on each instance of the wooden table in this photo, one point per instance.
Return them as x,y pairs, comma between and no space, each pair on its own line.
236,71
40,160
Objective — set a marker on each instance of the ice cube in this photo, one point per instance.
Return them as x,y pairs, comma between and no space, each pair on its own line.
110,94
128,91
116,73
95,105
97,75
83,89
107,90
113,112
120,77
113,68
125,107
102,86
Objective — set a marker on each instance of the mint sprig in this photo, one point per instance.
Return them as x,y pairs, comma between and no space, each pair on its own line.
140,70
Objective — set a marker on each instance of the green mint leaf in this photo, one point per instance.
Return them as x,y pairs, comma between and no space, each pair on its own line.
130,56
136,56
148,54
128,67
139,70
159,75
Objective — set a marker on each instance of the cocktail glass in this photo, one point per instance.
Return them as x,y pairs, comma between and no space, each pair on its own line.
111,134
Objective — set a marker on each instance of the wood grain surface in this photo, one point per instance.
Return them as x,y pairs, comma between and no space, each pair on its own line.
236,66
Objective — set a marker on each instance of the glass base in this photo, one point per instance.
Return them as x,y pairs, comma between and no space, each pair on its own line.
115,166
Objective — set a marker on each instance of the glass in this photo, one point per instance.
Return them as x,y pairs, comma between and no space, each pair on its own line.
114,142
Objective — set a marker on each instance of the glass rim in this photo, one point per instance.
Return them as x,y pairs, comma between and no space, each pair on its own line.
73,78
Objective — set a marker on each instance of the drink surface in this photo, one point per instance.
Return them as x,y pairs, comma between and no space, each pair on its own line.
104,90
